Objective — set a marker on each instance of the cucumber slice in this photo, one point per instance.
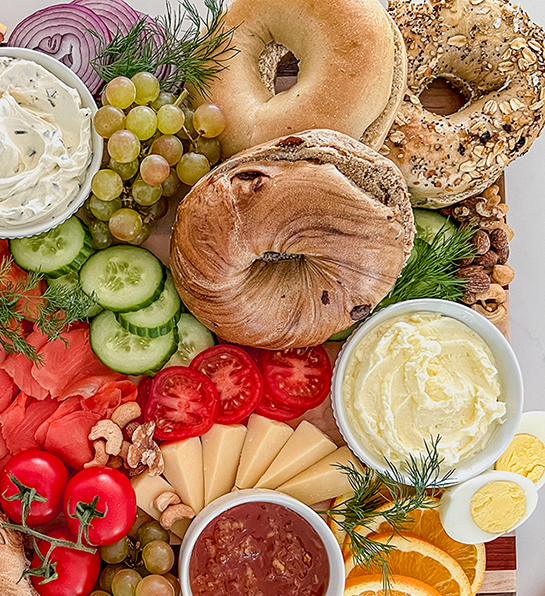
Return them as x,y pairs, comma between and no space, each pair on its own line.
194,337
71,281
127,353
159,317
56,252
123,278
428,223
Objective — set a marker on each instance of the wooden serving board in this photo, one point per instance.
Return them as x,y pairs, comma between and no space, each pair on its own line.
500,577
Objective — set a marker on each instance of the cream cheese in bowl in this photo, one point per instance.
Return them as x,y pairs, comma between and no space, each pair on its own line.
47,147
425,369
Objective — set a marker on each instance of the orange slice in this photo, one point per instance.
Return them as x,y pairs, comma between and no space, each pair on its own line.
371,585
421,560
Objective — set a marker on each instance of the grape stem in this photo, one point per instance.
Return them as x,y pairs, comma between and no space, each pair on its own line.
183,95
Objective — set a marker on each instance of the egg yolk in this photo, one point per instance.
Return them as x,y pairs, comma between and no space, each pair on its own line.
525,455
498,506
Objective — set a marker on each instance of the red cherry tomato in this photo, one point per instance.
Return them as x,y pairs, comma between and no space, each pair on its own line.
116,500
183,403
41,471
298,378
236,377
77,571
268,408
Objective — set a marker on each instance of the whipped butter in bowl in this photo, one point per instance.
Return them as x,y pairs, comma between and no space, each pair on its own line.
422,369
48,151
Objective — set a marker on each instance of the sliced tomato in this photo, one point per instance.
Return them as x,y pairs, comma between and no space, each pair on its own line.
236,377
298,378
183,403
268,408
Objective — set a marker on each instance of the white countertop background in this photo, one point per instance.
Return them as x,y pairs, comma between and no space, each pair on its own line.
526,198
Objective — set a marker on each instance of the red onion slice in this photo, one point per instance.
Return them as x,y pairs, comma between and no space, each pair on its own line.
117,15
62,31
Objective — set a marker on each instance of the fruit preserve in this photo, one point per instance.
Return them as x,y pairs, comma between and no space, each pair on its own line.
259,549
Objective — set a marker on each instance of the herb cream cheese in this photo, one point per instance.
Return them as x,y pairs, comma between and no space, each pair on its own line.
45,143
419,376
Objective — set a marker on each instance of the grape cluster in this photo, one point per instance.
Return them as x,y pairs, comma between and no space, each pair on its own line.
139,568
154,145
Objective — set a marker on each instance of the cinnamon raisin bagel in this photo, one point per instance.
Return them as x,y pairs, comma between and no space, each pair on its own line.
352,70
289,242
491,51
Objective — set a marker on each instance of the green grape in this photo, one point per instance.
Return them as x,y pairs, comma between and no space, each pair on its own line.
125,582
171,184
154,585
209,120
144,194
99,593
107,575
107,185
107,120
211,148
100,232
163,99
103,99
125,224
116,552
124,146
158,556
147,87
143,236
149,531
154,169
170,119
154,212
170,147
142,120
188,114
174,582
103,210
121,92
125,170
192,167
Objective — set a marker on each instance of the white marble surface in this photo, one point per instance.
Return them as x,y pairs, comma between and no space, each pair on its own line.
526,197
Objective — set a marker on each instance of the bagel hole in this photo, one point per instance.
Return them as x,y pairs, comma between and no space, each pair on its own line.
443,97
286,73
278,68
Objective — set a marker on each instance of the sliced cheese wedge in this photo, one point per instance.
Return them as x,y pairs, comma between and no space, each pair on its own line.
147,489
322,480
305,447
221,447
264,440
184,470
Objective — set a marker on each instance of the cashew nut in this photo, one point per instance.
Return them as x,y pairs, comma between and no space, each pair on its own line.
495,316
173,513
125,413
503,274
115,462
101,457
165,499
494,294
108,430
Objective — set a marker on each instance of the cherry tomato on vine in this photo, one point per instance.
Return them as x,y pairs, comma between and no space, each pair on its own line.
183,403
236,377
38,470
106,498
77,570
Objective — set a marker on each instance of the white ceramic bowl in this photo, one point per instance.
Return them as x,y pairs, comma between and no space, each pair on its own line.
506,362
97,143
230,500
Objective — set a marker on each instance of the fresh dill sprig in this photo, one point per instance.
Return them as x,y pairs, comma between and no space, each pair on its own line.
180,47
431,269
358,515
51,311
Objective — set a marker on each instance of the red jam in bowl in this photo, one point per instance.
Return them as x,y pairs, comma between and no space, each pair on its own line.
259,549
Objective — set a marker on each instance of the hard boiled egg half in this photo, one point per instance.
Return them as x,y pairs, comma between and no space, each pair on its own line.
526,453
483,508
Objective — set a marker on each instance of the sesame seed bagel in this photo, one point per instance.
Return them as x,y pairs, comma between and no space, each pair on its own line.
291,241
494,54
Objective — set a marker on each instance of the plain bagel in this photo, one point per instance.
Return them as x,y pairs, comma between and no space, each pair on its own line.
352,70
289,242
494,54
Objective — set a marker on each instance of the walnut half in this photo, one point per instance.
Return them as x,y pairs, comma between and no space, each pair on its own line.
144,451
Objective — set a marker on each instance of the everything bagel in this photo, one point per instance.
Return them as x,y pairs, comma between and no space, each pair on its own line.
352,70
494,54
